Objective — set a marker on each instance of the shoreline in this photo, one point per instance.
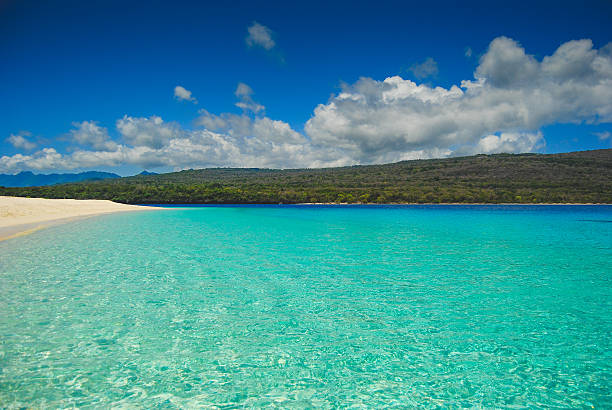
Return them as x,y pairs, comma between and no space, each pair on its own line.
458,203
21,216
195,205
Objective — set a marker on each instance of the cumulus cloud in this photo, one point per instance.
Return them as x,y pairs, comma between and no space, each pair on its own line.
45,159
264,142
506,65
511,92
259,36
259,142
427,68
20,141
150,132
182,94
90,134
511,96
507,142
243,126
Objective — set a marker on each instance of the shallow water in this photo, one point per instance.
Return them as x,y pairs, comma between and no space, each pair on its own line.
304,306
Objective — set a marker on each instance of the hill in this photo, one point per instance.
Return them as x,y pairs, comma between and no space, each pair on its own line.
27,178
577,177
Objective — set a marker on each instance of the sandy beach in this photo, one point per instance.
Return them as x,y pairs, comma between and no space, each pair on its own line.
20,216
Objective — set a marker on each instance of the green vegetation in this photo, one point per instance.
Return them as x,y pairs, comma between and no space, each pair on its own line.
580,177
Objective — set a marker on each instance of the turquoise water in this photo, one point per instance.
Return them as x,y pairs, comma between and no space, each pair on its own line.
298,306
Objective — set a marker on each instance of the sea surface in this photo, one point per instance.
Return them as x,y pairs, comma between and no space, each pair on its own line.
311,306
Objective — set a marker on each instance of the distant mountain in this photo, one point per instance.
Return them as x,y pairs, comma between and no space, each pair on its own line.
27,178
145,172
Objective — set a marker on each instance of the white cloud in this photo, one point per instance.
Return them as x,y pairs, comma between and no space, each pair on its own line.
229,123
506,65
182,94
501,109
276,131
264,143
604,135
227,140
90,134
150,132
427,68
512,94
244,93
45,159
468,52
20,141
259,36
507,142
243,90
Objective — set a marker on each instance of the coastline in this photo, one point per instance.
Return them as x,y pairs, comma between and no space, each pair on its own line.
21,216
459,203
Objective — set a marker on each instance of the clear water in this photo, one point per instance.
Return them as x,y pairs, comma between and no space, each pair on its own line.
311,307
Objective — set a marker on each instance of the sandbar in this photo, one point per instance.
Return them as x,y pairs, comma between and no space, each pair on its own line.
20,216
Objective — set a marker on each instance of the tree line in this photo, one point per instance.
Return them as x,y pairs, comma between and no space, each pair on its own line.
580,177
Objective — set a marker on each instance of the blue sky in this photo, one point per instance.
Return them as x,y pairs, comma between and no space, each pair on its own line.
91,85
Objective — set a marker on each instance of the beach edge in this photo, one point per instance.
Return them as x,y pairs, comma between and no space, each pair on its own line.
23,216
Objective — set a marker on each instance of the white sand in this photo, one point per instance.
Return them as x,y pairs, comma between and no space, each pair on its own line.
19,216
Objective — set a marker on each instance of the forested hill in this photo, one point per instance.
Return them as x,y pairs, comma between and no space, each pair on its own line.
580,177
